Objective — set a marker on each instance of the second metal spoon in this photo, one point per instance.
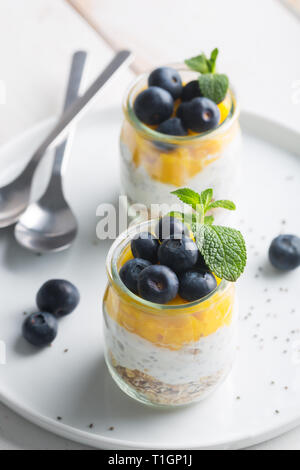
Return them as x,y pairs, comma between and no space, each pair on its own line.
49,224
14,197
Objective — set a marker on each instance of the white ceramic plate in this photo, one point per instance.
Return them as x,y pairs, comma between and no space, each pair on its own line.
260,399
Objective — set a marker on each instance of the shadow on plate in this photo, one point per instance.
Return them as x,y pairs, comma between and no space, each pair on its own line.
270,272
99,400
23,348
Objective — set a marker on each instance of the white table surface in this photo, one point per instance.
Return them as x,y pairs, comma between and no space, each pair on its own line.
260,49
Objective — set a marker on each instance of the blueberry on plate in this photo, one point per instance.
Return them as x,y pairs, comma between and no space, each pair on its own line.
168,79
172,126
200,115
40,329
158,284
170,227
130,271
284,252
178,254
196,283
154,105
144,245
191,90
58,297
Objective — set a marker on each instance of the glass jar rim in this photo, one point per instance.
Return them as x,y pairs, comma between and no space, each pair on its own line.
152,134
113,256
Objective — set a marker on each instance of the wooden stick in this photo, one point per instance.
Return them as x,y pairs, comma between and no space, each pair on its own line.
83,7
293,6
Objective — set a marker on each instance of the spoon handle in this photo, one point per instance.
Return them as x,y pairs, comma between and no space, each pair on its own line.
72,93
75,77
121,58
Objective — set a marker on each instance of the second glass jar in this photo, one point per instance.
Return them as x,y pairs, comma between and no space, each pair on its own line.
153,164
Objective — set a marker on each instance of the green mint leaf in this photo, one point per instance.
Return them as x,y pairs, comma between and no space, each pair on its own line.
214,86
213,60
196,222
224,250
202,64
199,64
224,203
188,196
206,197
209,219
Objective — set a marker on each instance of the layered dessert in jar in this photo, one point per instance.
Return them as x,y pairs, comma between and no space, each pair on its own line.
170,321
180,129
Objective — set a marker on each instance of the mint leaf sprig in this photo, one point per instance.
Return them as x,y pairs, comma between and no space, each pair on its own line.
223,248
202,64
212,85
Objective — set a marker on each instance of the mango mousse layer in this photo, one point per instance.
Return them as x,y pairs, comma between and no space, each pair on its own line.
170,329
177,166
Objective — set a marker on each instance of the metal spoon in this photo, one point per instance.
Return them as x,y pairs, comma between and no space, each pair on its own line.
14,197
49,224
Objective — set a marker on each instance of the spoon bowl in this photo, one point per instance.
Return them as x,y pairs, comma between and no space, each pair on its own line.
42,229
14,199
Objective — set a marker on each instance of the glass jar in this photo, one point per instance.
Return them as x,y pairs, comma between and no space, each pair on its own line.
154,164
166,355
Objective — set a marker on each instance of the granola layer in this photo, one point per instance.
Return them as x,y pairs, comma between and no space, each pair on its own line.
160,393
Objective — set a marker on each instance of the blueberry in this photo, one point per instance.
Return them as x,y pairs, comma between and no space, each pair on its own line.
284,252
180,113
196,283
168,79
158,284
154,105
191,90
145,245
58,297
201,262
200,114
172,126
170,227
40,329
130,271
178,254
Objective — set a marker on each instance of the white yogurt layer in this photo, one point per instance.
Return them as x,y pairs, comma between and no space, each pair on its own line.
222,175
210,355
